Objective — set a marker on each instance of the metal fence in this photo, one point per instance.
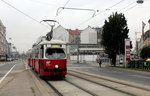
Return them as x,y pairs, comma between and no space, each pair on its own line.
139,64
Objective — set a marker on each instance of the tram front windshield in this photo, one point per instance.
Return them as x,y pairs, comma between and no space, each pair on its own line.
55,53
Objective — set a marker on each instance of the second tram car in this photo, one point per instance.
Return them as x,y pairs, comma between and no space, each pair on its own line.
48,58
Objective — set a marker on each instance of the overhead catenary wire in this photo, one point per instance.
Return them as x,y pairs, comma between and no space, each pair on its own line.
124,9
126,6
94,11
62,9
66,3
130,8
24,13
110,7
43,3
90,18
100,12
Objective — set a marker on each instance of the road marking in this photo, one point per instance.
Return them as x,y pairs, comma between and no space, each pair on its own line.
26,65
7,74
140,76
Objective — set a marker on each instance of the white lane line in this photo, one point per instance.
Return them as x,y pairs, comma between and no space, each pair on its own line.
140,76
26,65
7,74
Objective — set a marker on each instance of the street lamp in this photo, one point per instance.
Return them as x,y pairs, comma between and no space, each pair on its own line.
149,23
140,1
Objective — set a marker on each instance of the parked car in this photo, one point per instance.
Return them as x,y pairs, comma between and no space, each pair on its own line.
121,61
9,59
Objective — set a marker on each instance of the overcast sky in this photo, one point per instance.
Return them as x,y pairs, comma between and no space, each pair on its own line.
24,31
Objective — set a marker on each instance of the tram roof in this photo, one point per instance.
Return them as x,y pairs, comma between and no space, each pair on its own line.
91,49
51,42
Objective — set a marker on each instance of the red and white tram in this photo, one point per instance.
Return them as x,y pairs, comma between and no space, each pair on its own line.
48,58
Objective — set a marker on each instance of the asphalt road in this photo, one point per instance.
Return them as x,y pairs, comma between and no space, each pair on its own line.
121,74
6,66
15,80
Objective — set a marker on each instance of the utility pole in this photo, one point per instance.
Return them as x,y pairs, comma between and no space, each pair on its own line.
136,43
78,48
149,23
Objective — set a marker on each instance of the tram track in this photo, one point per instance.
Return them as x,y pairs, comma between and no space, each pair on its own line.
105,86
55,89
91,93
125,88
118,82
75,81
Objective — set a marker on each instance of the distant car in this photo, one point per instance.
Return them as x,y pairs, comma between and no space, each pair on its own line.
121,61
10,59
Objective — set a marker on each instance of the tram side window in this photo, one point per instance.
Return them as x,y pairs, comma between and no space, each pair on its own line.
42,52
33,54
56,53
36,53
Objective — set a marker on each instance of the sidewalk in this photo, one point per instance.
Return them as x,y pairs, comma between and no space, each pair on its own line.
90,63
21,84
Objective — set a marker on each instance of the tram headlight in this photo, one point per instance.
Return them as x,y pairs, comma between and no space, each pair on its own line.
56,66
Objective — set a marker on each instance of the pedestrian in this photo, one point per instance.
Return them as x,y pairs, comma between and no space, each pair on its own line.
100,63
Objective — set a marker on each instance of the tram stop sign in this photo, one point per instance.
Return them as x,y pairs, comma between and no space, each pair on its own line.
127,49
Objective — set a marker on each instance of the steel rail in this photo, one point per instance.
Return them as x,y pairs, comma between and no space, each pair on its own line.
114,81
60,94
127,93
87,91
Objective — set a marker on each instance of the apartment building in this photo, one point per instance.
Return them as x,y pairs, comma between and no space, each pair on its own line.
88,36
61,33
3,42
147,38
74,36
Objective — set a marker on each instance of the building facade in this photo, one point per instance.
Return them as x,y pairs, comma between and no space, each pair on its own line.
88,36
3,42
9,50
143,41
99,35
85,44
61,33
147,38
74,36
